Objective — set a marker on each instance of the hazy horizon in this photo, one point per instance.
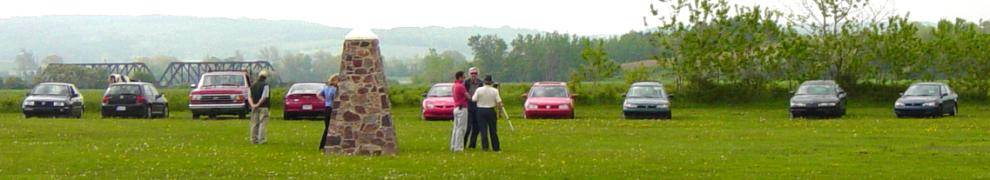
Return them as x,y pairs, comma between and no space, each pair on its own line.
577,17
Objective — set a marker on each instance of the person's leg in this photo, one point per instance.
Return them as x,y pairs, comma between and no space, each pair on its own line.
326,127
483,118
493,131
254,126
262,132
457,132
473,125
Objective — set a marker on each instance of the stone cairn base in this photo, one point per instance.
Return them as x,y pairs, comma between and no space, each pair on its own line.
362,123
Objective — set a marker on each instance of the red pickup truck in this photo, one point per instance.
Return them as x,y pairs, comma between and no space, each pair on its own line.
221,93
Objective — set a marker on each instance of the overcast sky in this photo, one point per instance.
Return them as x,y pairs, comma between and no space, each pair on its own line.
586,17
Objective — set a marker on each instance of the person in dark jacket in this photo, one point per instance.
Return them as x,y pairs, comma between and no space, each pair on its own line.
259,108
473,128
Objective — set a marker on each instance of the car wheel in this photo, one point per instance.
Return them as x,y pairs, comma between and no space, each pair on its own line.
241,116
794,116
955,109
80,114
195,116
165,112
147,113
289,116
26,116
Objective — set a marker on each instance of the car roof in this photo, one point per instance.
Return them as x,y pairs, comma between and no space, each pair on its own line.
819,82
56,83
443,84
647,83
929,83
226,73
549,83
308,84
130,83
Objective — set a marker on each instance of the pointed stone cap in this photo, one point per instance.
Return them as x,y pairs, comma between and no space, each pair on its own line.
360,34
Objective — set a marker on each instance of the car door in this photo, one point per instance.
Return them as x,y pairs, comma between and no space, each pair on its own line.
151,94
948,97
76,99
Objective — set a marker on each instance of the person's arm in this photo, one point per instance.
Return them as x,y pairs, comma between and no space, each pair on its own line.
249,99
321,95
475,97
264,97
498,98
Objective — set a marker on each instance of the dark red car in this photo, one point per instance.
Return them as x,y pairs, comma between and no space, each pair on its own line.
301,101
438,102
548,100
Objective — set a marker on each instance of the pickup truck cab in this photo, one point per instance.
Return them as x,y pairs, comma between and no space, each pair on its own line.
221,93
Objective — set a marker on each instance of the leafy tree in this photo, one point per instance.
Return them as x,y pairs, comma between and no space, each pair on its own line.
489,55
51,59
26,65
597,65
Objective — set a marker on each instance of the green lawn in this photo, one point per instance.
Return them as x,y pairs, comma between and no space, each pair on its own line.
713,142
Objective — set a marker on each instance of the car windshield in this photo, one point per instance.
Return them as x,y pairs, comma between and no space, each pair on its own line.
440,91
50,89
645,92
922,90
306,89
548,91
223,80
124,89
816,90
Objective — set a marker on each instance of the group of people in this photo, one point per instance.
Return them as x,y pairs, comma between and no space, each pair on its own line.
475,112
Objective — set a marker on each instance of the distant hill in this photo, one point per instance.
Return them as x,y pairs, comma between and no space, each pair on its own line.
119,38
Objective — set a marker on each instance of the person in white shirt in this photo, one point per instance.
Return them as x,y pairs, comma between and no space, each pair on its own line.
488,99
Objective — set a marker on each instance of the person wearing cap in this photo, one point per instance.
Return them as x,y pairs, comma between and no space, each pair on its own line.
259,108
488,99
472,84
326,95
460,113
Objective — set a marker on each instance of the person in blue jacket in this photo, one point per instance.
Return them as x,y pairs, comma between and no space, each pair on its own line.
327,95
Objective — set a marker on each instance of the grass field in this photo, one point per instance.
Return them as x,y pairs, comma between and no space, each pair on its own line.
700,142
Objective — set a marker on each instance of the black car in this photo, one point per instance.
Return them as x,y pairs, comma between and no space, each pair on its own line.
53,100
927,99
818,98
134,99
646,100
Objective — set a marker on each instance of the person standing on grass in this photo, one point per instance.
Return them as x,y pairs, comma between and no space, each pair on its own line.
488,99
460,113
326,95
259,108
472,84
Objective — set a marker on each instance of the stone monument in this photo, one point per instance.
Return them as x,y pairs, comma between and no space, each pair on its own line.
362,121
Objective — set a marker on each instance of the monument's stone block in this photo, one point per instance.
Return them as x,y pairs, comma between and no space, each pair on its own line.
362,123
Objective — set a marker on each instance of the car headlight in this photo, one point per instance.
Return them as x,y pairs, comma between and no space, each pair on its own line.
930,104
196,97
58,103
530,106
430,105
28,103
794,104
826,104
628,105
898,104
565,106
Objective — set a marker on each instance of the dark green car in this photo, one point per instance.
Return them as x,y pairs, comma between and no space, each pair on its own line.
823,98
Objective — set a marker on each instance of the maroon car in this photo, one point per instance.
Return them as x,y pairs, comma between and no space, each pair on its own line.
438,103
301,101
221,93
